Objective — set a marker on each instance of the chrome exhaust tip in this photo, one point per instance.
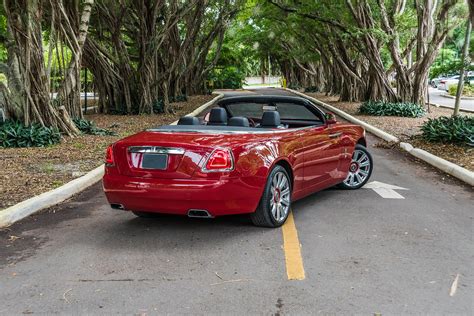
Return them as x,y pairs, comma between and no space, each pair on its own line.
117,206
199,214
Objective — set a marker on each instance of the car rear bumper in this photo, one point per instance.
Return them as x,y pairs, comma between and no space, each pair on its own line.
178,196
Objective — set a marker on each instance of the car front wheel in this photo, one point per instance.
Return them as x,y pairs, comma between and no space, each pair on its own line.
360,169
275,203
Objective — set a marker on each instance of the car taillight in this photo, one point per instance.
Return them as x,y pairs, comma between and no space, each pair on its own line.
221,160
109,156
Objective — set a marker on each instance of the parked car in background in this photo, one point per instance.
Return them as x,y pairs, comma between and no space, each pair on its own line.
445,83
469,79
435,81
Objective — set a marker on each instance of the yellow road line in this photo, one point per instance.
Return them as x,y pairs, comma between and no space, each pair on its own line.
292,248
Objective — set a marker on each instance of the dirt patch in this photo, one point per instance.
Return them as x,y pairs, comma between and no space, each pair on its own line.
26,172
408,129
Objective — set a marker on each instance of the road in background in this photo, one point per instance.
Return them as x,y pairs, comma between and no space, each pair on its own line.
362,253
436,97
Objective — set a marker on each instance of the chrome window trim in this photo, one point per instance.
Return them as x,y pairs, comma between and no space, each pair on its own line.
156,150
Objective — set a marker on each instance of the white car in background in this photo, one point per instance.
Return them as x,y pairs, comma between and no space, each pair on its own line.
435,81
444,84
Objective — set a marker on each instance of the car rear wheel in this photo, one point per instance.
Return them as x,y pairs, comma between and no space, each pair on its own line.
360,169
275,203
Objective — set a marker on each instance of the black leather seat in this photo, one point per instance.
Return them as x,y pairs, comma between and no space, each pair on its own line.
270,119
218,117
239,121
188,120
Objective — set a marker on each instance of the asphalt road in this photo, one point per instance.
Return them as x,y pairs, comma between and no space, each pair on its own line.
436,96
361,253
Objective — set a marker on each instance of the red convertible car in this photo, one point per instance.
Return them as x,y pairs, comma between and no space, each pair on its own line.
250,154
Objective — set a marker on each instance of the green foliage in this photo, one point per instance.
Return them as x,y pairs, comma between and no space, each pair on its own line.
402,109
311,89
467,90
294,86
446,129
227,78
89,128
16,134
3,35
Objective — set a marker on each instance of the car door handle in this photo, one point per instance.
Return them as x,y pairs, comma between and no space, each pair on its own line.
335,135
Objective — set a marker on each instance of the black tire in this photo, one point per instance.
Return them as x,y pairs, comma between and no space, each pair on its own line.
344,184
146,214
263,215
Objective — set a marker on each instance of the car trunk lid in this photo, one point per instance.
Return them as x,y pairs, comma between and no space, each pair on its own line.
173,155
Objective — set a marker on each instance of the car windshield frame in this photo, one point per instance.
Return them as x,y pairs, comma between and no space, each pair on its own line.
273,101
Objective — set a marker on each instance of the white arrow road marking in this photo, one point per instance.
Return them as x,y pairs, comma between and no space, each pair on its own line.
387,191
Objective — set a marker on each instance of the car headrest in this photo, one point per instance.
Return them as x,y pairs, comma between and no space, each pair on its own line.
218,116
270,119
188,120
239,121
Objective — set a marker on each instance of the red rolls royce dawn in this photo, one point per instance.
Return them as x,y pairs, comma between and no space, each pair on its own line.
249,155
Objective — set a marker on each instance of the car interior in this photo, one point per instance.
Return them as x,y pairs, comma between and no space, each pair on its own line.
263,115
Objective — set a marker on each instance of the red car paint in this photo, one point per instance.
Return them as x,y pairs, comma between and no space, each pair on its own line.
316,157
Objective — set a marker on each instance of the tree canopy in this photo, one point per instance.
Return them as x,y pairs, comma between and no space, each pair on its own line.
143,54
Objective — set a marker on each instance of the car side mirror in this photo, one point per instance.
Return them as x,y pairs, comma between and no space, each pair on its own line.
330,118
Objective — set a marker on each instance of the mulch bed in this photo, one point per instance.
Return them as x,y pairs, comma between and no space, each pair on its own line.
408,129
26,172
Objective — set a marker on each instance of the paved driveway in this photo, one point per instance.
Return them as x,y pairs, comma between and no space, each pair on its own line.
436,96
361,254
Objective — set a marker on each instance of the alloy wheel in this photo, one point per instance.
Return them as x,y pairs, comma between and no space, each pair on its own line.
359,169
280,197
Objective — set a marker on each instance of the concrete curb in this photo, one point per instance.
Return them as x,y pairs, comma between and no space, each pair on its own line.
45,200
437,162
451,107
444,165
23,209
453,97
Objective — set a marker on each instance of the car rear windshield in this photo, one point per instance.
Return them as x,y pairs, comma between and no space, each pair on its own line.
288,111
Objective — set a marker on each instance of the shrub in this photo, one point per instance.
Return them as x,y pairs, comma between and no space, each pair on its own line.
89,128
467,90
311,89
447,129
227,78
402,109
294,86
16,134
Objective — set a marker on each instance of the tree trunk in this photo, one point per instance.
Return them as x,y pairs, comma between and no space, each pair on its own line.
24,24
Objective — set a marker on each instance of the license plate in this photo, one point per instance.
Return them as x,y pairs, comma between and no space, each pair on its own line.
154,161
